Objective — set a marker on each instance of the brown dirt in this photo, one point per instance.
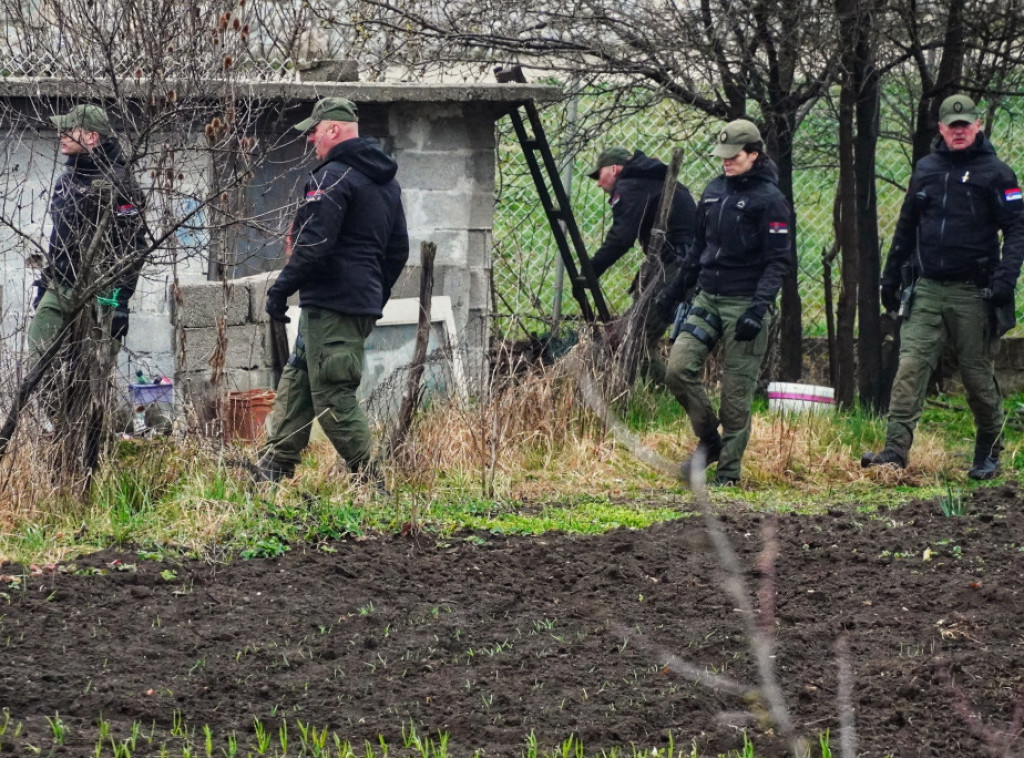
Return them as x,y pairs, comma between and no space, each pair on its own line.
488,637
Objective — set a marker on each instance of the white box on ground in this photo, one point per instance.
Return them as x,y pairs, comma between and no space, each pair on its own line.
800,398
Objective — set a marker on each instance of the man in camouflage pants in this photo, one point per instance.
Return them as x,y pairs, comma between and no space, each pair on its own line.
945,265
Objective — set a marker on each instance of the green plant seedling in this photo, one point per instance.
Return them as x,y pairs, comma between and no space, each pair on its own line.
57,729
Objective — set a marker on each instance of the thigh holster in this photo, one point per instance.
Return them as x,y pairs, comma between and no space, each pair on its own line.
704,336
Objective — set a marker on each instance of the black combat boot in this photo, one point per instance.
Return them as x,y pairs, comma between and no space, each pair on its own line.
267,470
887,456
986,457
709,447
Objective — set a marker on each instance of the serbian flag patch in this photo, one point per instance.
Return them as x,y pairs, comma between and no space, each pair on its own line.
315,195
1012,194
778,227
126,209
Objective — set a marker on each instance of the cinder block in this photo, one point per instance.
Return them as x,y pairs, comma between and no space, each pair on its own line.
149,334
240,380
452,245
408,284
444,171
481,209
246,348
438,210
482,168
479,248
202,304
480,290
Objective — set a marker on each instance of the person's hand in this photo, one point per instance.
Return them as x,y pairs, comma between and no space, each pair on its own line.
119,323
1000,292
748,326
890,297
40,291
277,307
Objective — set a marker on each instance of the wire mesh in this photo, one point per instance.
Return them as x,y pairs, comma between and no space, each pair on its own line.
527,298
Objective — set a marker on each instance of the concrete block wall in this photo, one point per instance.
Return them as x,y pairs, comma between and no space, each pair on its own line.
445,154
223,321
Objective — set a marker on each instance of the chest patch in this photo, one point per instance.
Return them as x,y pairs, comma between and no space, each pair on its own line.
778,227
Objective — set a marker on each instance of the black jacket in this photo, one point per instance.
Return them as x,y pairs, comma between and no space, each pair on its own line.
957,203
349,237
75,211
635,200
744,245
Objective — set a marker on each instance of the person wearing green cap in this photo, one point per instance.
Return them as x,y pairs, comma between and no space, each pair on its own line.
945,268
742,251
634,184
349,244
94,160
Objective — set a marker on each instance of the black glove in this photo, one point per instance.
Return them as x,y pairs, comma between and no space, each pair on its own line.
890,297
665,308
748,326
119,323
999,292
40,291
277,307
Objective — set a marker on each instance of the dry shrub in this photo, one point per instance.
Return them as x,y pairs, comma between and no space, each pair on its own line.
804,449
527,420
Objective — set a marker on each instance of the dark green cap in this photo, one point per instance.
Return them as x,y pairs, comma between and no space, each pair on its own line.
610,156
330,109
734,136
957,108
92,118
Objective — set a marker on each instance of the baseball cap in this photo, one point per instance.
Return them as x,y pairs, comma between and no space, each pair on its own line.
957,108
329,109
734,136
92,118
610,156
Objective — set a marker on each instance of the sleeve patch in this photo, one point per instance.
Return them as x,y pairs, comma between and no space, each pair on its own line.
1012,194
315,195
126,209
778,227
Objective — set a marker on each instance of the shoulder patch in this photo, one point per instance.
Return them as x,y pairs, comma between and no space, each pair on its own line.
778,227
126,209
315,195
1012,195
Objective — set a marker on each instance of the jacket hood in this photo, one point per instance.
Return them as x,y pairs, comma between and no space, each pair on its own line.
642,167
366,156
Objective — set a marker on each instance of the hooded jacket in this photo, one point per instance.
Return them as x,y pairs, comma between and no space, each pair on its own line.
634,200
75,211
957,203
744,245
350,241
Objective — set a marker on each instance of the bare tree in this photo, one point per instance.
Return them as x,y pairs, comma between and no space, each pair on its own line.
767,60
176,81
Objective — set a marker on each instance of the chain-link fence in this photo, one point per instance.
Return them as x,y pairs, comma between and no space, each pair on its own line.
528,298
